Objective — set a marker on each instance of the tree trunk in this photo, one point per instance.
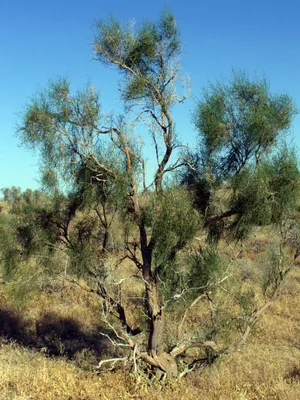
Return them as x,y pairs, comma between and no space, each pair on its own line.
156,338
156,345
156,354
105,240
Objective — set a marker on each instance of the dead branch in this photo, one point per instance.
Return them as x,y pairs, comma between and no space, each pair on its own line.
125,339
185,345
113,361
180,326
190,367
113,342
258,313
135,276
116,305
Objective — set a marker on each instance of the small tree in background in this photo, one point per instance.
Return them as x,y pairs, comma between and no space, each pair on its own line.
100,157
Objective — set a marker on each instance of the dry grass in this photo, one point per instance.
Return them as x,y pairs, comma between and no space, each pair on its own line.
25,374
268,367
256,373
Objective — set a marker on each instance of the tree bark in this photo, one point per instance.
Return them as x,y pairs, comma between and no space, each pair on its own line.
156,345
105,240
156,341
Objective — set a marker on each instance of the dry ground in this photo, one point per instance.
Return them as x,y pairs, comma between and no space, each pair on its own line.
268,367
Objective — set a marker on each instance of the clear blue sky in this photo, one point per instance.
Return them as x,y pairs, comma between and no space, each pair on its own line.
43,39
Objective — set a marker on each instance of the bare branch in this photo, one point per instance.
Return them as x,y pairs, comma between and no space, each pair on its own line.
195,302
184,346
190,367
180,326
259,312
113,361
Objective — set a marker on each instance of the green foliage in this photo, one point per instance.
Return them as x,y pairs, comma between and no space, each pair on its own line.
109,194
174,223
82,258
21,236
239,122
284,183
142,53
75,153
266,194
11,195
273,263
246,300
62,127
205,265
9,248
27,259
202,185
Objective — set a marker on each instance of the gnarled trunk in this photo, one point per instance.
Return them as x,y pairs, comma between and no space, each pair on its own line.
155,312
156,346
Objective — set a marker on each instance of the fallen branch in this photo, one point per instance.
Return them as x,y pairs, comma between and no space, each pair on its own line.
190,367
184,346
113,361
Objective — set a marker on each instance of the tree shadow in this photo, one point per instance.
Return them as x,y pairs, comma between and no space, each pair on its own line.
56,336
65,336
12,326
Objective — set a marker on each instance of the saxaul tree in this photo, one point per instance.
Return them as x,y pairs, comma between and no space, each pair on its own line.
80,147
241,127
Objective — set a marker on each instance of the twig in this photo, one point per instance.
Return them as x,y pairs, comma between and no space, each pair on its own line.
113,361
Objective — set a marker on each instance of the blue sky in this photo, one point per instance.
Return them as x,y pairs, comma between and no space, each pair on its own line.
41,39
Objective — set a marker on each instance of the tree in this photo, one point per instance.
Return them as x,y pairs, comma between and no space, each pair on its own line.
11,195
240,126
81,146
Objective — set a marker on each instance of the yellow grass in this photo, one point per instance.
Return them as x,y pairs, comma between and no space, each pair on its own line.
267,367
25,374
